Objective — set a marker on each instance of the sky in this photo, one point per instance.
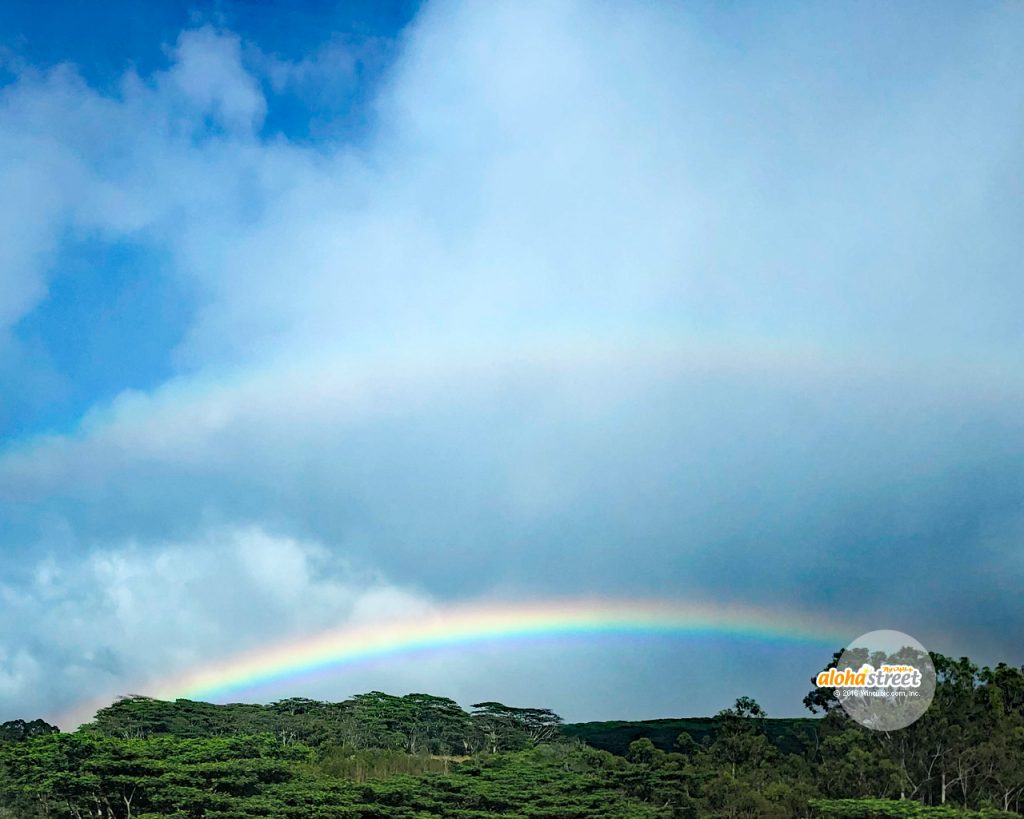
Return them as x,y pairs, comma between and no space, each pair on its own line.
334,313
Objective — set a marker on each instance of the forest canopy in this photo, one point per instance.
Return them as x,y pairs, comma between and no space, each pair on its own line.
419,755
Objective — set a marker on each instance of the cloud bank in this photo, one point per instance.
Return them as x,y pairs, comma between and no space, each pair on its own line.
628,302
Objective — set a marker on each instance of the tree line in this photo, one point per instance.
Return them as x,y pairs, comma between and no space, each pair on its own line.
414,723
418,755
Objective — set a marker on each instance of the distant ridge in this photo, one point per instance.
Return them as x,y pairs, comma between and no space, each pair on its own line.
786,733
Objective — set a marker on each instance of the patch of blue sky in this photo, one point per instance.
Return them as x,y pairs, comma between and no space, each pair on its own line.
111,321
103,41
113,315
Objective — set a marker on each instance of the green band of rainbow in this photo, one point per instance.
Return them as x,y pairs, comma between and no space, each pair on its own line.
466,625
476,624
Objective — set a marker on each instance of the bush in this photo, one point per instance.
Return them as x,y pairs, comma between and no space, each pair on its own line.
895,809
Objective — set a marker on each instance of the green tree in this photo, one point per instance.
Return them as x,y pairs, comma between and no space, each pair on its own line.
740,740
507,728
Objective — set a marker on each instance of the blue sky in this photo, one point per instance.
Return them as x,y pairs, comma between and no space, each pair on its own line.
98,288
315,314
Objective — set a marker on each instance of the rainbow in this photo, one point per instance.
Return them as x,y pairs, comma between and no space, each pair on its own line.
480,624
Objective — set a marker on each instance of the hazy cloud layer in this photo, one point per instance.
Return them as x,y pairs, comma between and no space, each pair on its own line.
126,615
621,301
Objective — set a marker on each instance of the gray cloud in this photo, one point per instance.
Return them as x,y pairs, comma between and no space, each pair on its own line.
122,615
603,304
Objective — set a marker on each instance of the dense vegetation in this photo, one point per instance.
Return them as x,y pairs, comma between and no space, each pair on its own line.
378,755
790,734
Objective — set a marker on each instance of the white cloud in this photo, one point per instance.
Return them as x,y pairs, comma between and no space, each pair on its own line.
73,159
124,618
598,302
207,70
115,618
533,169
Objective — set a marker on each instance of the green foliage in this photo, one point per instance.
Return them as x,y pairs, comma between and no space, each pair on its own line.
378,764
895,809
789,734
543,782
967,750
417,756
233,777
415,723
78,774
506,727
18,729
